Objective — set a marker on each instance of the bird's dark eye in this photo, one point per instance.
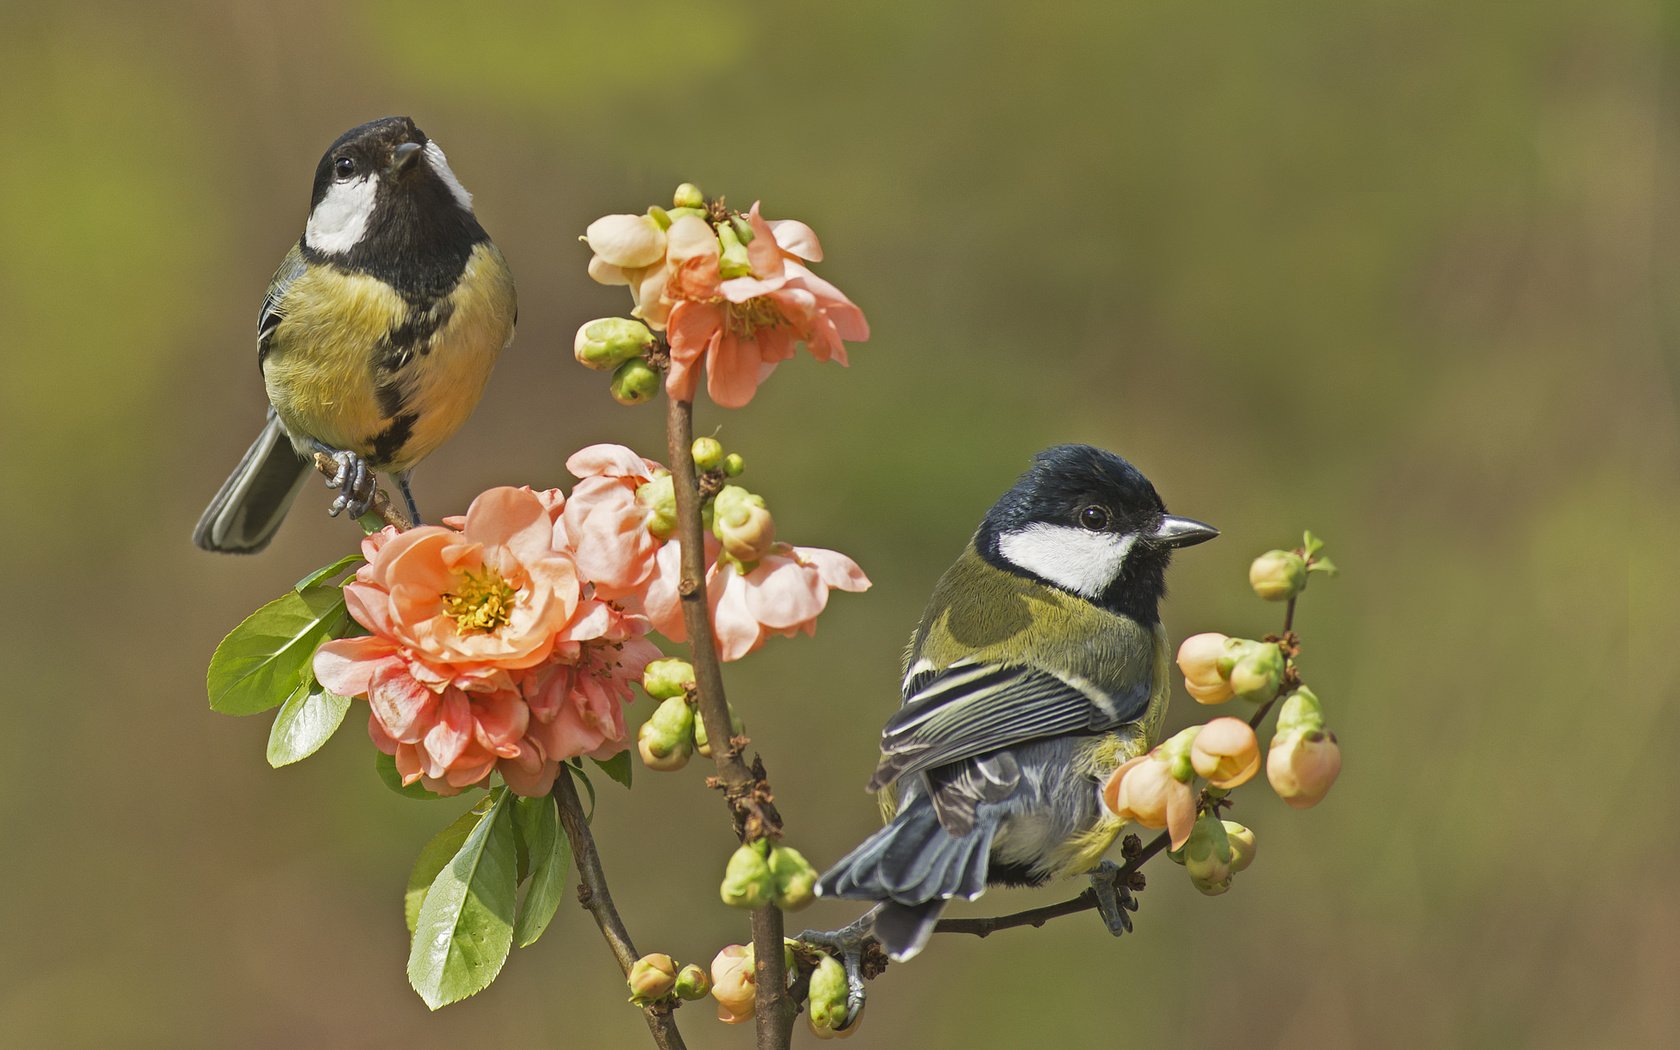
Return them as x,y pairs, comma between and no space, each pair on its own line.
1094,518
345,167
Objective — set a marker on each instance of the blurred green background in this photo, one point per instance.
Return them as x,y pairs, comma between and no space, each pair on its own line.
1385,271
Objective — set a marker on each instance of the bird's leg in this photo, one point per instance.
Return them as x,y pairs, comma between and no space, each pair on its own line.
1115,902
408,496
848,943
354,482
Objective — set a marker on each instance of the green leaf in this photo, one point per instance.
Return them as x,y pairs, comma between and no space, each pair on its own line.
618,767
464,931
308,719
538,823
386,766
327,572
265,659
1324,565
1311,544
433,856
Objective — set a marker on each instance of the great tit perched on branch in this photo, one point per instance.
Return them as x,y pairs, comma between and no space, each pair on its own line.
376,335
1039,667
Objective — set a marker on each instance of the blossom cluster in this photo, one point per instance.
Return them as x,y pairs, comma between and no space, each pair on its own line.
508,640
734,293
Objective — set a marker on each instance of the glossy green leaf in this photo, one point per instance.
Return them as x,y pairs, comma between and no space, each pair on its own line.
538,823
464,931
386,766
433,856
264,660
328,572
308,719
618,767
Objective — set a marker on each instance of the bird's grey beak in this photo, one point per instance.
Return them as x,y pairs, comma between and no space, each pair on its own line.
404,156
1182,532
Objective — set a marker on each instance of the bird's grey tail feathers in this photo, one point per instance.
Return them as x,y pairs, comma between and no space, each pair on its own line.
914,866
242,517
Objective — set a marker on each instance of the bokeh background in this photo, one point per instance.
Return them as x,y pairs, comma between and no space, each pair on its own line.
1389,272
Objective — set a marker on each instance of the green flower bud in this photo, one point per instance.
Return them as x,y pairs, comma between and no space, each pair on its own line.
1176,750
635,382
651,977
698,211
659,496
1207,856
1300,712
733,464
733,261
1242,845
795,879
747,882
743,228
743,524
688,195
667,678
692,983
708,453
703,743
666,740
827,1002
1258,674
606,343
660,217
1278,576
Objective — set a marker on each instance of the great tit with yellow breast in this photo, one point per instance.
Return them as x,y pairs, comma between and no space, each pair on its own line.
1039,667
376,335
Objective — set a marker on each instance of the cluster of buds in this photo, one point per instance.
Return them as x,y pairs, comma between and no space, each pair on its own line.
826,1006
763,872
657,977
675,732
1281,576
1303,760
1216,850
1217,668
732,290
1157,790
735,982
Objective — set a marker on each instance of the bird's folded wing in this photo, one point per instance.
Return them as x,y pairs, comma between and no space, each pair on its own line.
969,709
268,318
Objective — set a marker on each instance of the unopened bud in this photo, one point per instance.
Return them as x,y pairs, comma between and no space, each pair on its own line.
692,983
1242,845
733,465
733,261
743,228
1300,710
794,878
635,382
1198,660
1278,576
1207,856
708,453
827,1002
1226,752
734,983
651,977
666,740
606,343
742,522
666,678
659,496
747,882
703,742
1258,672
627,241
688,195
1302,765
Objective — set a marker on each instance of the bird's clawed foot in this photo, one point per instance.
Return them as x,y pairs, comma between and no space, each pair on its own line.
849,943
354,482
1113,886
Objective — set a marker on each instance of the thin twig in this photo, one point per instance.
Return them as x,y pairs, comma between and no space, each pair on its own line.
1035,917
381,508
745,789
597,900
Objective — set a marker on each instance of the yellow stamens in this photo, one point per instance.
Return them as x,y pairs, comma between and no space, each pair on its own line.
481,601
748,317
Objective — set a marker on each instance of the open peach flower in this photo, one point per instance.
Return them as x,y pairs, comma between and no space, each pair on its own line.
1145,791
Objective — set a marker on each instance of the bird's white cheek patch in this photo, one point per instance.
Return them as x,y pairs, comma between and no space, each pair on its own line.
440,165
1083,562
340,220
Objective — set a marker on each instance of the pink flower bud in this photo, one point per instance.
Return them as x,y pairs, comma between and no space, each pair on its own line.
1145,791
692,256
1302,765
1226,752
651,977
1198,659
733,983
626,241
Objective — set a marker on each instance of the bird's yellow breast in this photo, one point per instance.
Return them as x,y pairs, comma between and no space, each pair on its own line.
322,366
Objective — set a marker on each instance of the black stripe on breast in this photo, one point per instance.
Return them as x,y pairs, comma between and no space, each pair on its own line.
390,441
